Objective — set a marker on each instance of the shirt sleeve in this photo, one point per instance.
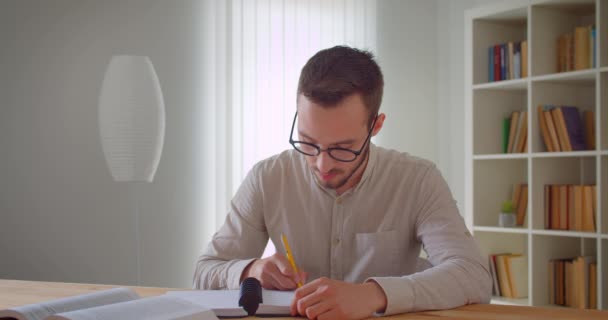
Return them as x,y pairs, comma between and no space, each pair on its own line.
239,241
458,276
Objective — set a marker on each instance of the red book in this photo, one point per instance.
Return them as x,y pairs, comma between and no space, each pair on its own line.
497,76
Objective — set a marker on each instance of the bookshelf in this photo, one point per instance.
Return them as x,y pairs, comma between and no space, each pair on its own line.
490,174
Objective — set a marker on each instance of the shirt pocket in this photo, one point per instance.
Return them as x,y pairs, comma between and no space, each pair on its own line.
375,255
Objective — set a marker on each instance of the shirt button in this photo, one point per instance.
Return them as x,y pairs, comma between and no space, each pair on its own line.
339,201
336,241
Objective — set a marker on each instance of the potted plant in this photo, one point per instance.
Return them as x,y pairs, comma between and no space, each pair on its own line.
507,217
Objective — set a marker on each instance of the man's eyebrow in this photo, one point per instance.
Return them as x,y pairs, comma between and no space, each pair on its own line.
347,141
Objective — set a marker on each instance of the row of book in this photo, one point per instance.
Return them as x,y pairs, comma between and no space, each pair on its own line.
508,61
509,274
573,282
519,199
515,132
563,128
570,207
577,50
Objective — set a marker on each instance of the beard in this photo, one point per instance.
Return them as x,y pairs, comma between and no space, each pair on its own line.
338,172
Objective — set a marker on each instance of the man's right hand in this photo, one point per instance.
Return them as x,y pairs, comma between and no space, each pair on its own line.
274,273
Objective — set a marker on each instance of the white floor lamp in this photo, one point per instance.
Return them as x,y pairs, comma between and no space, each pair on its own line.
132,124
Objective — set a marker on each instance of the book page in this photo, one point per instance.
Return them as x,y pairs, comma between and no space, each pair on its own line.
225,303
154,308
40,311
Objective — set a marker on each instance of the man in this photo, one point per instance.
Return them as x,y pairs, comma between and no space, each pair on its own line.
355,215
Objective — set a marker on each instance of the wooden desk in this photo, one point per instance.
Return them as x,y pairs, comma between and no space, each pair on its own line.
15,293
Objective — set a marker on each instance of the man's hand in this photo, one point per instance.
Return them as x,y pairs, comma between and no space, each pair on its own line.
331,299
274,272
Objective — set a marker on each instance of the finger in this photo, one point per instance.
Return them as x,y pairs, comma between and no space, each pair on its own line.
284,266
310,300
280,281
317,309
308,288
302,292
302,277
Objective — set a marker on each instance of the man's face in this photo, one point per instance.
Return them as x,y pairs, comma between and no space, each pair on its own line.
345,126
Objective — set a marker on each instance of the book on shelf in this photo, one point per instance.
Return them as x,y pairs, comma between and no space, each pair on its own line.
503,62
589,127
509,274
551,128
563,207
576,50
544,130
519,198
522,133
562,132
508,61
593,285
126,304
497,68
490,64
512,129
524,59
516,135
506,125
581,48
495,285
573,282
563,128
588,209
522,205
517,60
570,207
574,127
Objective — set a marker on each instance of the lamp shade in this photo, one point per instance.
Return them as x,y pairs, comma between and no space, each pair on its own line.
131,118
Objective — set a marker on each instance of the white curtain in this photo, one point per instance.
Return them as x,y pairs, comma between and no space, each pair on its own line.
257,49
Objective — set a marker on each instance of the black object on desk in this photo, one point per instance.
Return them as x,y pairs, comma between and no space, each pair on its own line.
251,295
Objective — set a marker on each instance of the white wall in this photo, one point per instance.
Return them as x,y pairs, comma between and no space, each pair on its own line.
62,217
450,91
407,53
421,52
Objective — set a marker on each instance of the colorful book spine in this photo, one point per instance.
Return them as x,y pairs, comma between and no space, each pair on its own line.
517,60
490,64
594,43
506,126
574,127
497,63
503,62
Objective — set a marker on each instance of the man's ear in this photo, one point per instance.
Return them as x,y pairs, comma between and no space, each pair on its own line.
379,124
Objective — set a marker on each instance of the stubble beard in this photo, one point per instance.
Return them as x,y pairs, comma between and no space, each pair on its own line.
342,182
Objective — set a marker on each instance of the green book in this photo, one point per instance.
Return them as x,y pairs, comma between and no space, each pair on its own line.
506,126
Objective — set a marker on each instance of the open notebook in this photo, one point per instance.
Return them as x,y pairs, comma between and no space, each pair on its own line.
225,303
115,304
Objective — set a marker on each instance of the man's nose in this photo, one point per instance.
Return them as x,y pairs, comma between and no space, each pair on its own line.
324,162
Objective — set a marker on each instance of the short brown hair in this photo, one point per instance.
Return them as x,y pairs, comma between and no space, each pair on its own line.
335,73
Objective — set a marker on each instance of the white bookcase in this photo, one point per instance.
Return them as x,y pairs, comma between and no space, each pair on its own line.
490,174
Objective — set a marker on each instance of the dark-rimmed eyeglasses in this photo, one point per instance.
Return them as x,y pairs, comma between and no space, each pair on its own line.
337,153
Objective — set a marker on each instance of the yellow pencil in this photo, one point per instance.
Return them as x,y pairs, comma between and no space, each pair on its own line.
290,256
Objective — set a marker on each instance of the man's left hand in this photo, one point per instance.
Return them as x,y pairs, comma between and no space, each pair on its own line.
324,298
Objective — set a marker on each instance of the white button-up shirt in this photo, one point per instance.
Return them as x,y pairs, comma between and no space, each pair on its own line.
375,231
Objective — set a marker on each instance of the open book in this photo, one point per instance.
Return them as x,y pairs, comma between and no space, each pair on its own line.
225,303
117,304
